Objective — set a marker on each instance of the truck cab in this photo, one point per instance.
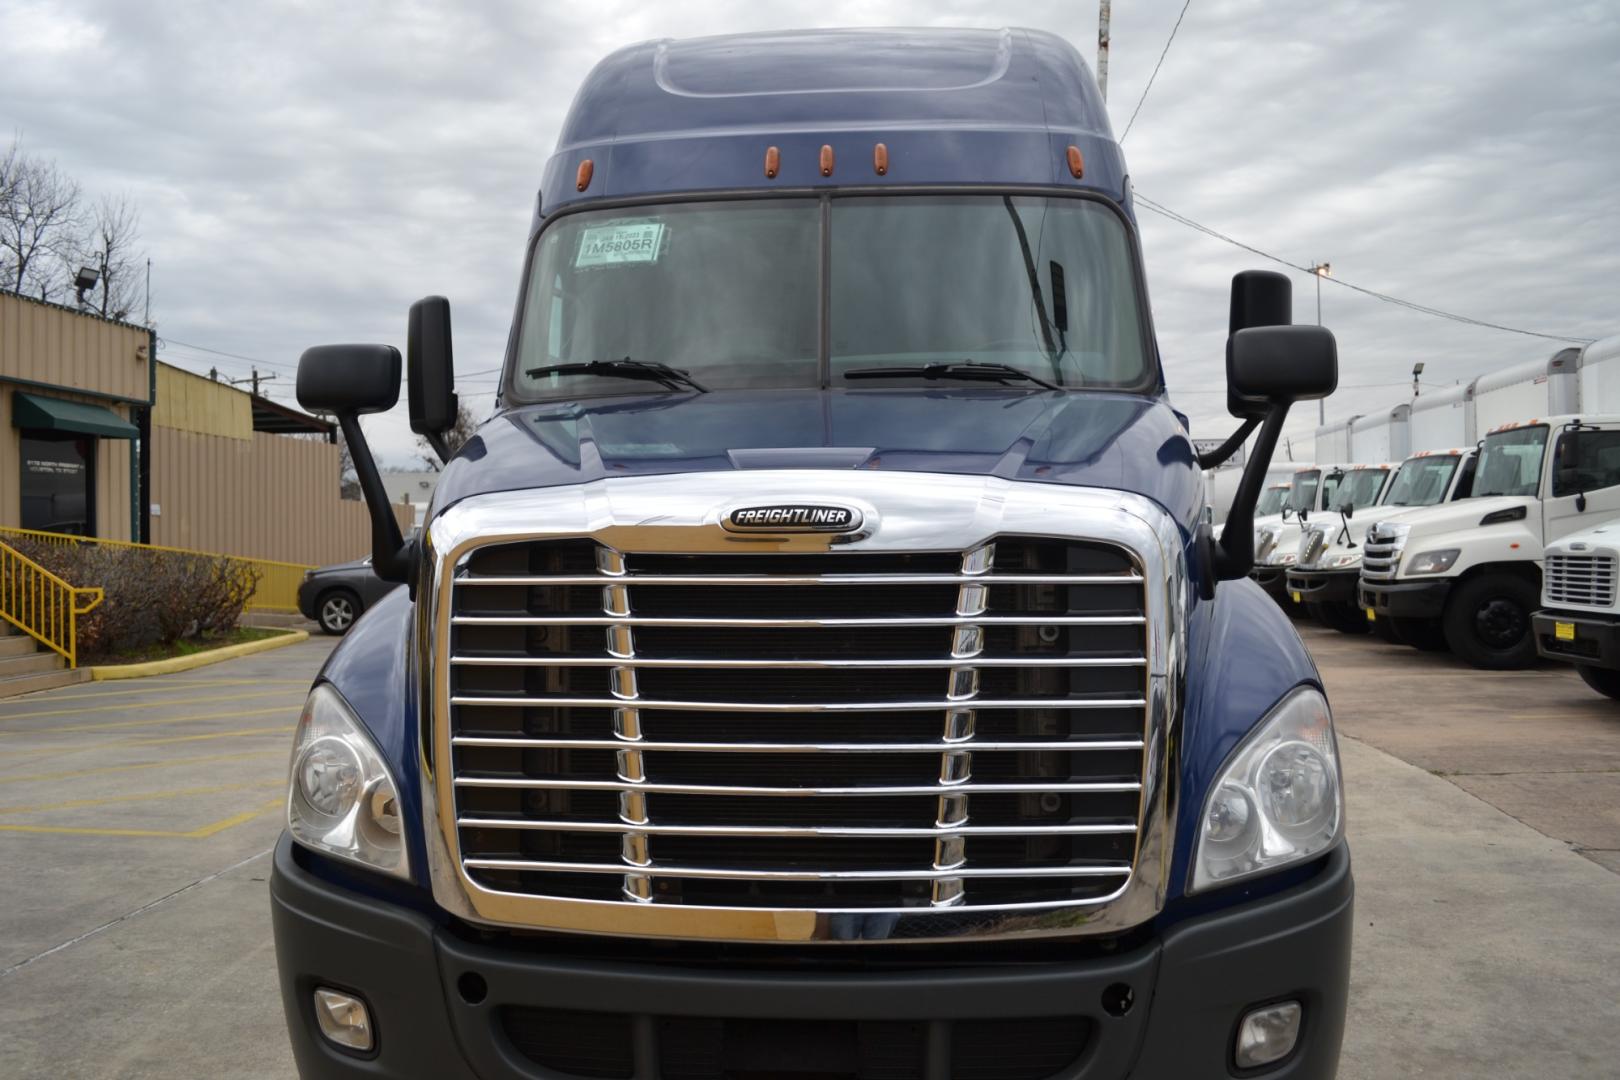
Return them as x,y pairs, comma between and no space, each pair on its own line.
820,664
1327,568
1579,620
1276,538
1470,572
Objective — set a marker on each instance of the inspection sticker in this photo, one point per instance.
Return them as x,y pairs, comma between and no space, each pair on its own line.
1564,631
616,245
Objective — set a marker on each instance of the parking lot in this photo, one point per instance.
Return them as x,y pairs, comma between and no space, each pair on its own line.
1485,818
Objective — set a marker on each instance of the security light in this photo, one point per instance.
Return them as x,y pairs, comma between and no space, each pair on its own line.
1417,369
88,276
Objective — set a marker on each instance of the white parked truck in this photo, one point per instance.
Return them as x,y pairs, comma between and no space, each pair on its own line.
1276,539
1470,572
1327,566
1579,620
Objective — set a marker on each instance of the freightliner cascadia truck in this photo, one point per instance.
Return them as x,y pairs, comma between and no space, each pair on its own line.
819,664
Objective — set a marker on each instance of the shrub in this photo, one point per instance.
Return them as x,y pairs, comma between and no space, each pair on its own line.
151,597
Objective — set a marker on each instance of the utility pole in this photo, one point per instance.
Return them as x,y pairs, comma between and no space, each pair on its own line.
1104,10
255,379
1320,271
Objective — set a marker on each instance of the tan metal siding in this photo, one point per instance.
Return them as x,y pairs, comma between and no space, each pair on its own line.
190,402
46,344
268,497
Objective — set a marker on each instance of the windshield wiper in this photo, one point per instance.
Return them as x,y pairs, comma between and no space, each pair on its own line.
672,378
968,371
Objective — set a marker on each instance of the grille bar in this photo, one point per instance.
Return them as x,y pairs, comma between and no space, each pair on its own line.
795,706
646,746
564,784
761,874
816,579
1581,579
725,663
896,621
808,832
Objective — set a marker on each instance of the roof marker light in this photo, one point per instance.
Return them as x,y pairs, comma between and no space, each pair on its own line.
826,161
582,178
1077,164
773,162
880,159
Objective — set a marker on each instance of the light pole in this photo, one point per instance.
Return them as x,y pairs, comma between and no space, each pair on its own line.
1320,271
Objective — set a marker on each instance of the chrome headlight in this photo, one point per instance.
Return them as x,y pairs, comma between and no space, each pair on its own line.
341,799
1279,798
1433,562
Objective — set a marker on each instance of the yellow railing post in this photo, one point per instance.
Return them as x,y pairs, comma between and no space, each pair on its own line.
42,605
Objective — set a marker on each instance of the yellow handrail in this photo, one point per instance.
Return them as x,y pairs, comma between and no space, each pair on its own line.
42,605
277,589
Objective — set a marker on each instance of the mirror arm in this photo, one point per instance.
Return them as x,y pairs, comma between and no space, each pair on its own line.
1234,555
390,554
1219,455
435,439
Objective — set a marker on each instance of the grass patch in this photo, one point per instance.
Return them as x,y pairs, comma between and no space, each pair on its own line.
189,646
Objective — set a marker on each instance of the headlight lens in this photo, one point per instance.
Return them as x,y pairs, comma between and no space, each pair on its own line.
1433,562
341,799
1278,800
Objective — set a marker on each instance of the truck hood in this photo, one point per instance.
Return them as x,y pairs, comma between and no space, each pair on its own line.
1453,516
1104,440
1363,520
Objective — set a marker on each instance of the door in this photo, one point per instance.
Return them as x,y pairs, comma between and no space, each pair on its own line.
58,482
1584,469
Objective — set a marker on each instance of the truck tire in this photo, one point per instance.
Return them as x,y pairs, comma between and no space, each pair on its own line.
336,611
1424,634
1346,620
1604,680
1487,622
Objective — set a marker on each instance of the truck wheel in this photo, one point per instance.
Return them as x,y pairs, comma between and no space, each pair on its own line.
1346,620
336,611
1604,680
1487,622
1424,634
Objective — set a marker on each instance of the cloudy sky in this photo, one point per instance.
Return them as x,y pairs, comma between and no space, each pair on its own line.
306,170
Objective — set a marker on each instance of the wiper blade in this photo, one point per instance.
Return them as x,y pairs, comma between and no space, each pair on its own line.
968,372
672,378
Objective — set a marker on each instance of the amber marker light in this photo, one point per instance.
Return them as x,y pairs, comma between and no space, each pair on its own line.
773,162
880,159
582,178
1077,164
826,161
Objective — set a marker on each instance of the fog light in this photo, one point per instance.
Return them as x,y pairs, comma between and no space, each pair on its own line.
343,1019
1268,1034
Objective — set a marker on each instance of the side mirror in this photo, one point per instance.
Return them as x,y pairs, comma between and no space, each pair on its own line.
1268,365
1348,510
350,381
354,379
431,387
1259,298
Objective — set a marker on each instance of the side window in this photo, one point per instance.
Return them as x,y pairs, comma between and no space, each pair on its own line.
1586,460
1465,483
1330,487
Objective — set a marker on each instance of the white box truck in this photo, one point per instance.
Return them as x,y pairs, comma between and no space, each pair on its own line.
1384,435
1333,440
1470,572
1579,622
1276,539
1444,418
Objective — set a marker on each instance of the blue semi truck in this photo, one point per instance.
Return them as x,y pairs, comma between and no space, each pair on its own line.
820,664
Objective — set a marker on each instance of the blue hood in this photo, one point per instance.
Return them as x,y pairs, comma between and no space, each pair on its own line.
1101,440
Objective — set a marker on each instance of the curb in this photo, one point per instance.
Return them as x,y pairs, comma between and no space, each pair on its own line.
103,672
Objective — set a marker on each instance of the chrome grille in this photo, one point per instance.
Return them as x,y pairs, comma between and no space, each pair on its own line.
828,732
1586,580
1311,545
1380,556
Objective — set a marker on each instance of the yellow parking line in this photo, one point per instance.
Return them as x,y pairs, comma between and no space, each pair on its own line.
124,708
145,796
168,686
113,725
195,834
103,770
283,729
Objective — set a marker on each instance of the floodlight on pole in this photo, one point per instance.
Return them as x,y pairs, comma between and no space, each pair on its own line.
86,280
1417,369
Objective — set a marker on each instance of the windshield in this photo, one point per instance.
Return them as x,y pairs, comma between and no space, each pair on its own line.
1302,496
1510,461
1422,481
1271,501
732,291
1359,488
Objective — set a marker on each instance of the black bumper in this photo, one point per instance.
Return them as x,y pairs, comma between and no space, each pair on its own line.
1405,600
1273,579
1324,586
1596,642
306,597
1186,993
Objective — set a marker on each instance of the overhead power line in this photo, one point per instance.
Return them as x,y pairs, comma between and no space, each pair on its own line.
1425,309
1156,68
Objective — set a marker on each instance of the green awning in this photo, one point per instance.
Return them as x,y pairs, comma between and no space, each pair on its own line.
54,414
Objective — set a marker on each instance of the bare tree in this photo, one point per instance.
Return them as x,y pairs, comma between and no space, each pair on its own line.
348,479
39,218
114,230
462,430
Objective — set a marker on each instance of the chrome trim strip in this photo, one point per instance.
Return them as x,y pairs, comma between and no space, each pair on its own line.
561,784
898,620
738,874
946,744
711,662
817,579
646,704
919,512
804,831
